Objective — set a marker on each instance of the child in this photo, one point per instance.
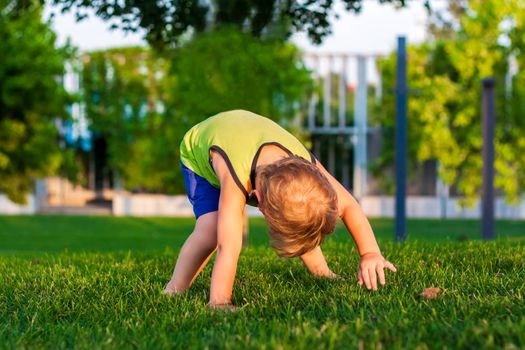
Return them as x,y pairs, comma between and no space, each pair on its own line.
237,158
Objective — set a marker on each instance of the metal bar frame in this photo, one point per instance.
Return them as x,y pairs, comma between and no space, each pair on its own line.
360,122
488,124
401,139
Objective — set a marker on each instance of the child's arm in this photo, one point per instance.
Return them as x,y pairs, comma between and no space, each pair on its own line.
372,262
229,235
316,263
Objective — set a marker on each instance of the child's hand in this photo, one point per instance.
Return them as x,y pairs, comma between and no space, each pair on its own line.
370,267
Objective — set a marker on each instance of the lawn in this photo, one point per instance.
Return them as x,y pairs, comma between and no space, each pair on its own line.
96,282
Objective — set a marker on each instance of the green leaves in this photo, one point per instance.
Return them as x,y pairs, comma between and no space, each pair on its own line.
143,103
229,70
31,97
166,23
445,116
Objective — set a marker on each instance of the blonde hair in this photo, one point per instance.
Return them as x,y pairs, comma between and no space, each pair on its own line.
299,205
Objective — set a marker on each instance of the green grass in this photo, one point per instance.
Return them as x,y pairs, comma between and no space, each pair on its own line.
96,282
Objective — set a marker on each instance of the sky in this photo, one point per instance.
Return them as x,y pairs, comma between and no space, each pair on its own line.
373,31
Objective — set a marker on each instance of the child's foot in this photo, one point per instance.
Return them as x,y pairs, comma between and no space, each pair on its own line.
223,307
332,276
170,291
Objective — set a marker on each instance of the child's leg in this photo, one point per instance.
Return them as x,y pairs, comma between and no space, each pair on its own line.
194,254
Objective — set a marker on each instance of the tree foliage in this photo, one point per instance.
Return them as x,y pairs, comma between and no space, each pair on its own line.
143,104
31,97
445,113
166,21
229,70
121,91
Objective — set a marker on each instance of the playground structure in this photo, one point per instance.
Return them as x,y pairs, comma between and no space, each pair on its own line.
349,70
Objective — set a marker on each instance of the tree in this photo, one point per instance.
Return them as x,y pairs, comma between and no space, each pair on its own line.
227,69
123,91
165,22
143,104
31,98
445,116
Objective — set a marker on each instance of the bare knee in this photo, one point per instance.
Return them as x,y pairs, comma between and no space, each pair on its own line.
205,232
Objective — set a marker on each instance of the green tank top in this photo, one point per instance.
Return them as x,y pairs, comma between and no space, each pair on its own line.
239,137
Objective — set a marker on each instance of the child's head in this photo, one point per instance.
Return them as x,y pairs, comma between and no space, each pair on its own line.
298,203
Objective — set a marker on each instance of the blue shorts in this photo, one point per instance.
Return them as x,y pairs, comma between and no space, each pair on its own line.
202,195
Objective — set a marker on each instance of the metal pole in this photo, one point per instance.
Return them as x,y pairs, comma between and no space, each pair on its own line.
314,99
342,93
442,193
488,121
360,121
342,122
401,139
345,177
331,154
327,95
